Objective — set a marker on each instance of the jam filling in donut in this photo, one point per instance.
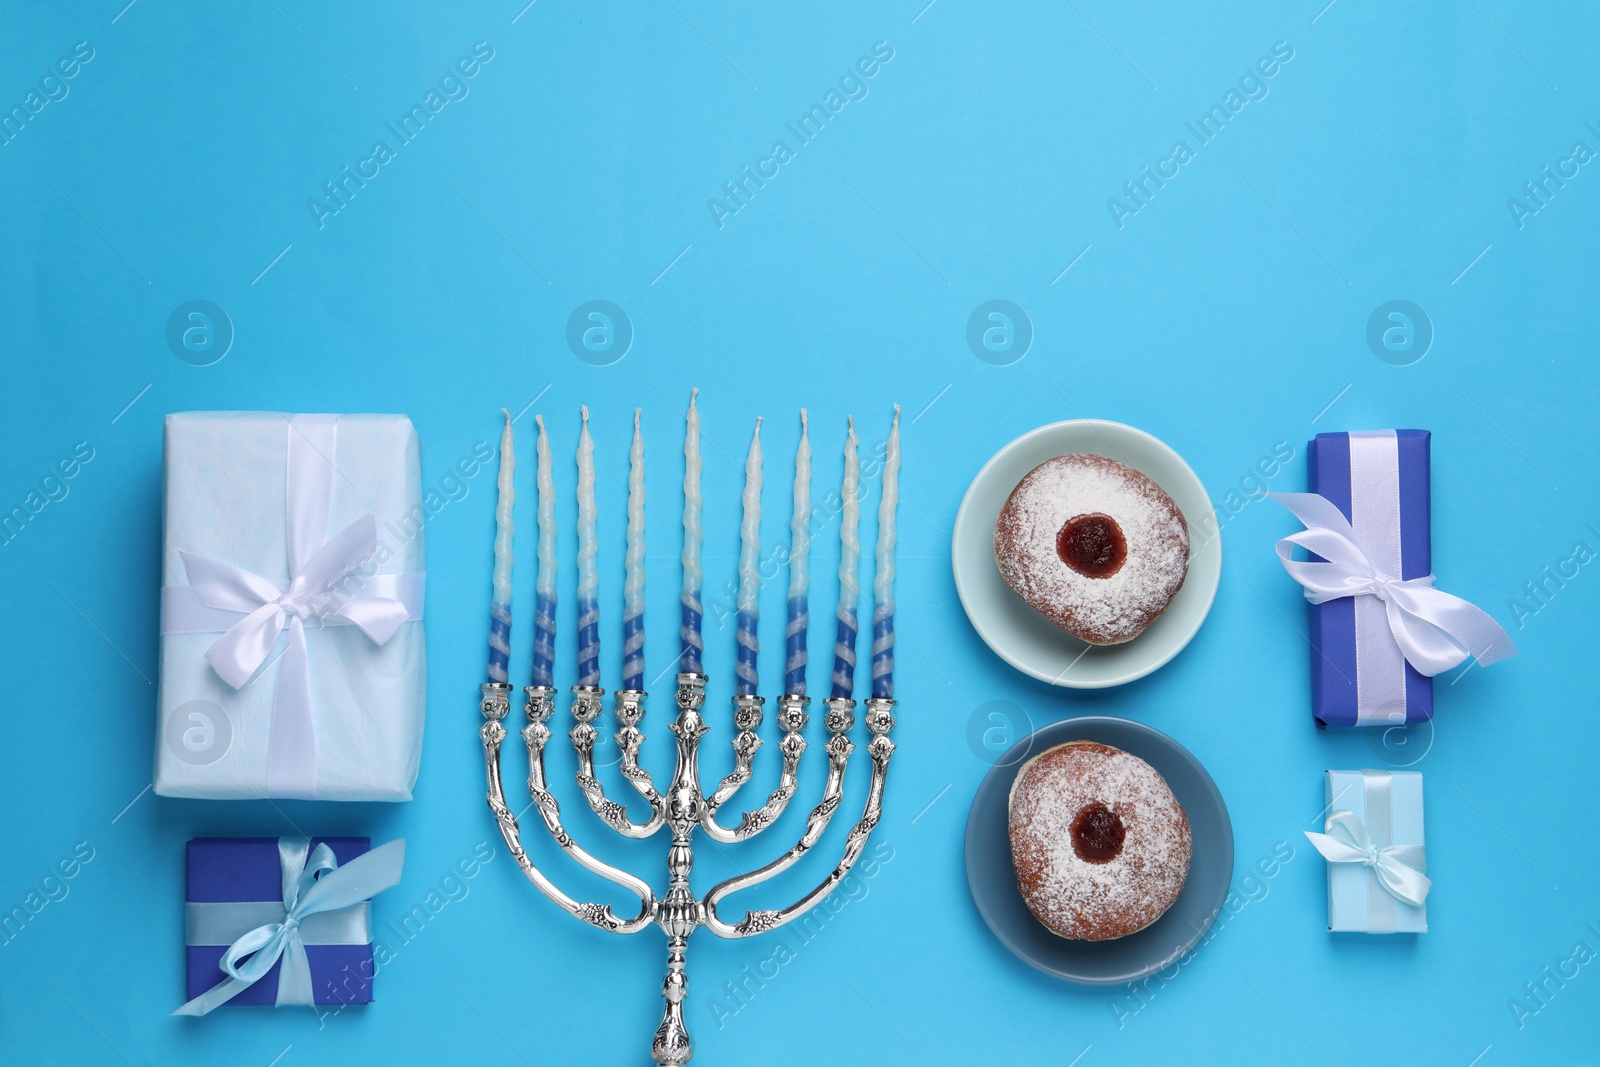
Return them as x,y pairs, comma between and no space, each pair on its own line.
1092,545
1097,834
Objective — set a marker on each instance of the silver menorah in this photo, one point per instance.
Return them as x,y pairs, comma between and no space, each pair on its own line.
683,808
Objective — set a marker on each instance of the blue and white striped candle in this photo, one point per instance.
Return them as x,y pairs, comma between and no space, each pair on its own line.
544,610
500,604
794,670
633,581
844,646
749,600
588,564
883,572
689,659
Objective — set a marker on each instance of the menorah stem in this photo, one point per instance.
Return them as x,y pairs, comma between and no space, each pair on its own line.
679,913
672,1046
680,917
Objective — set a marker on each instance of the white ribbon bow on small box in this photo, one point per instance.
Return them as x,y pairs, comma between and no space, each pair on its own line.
1398,868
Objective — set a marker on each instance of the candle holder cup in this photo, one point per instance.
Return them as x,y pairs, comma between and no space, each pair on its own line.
685,808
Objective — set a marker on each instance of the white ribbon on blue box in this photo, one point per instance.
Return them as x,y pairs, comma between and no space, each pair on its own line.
292,659
1380,631
1374,847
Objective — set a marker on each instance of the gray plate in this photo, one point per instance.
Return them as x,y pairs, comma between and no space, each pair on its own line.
993,880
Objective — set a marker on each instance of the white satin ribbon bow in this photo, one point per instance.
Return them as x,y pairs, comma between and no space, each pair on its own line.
1398,868
270,608
1434,629
310,887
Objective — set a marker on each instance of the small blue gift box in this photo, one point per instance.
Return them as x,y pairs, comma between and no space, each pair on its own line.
1379,480
1374,845
236,885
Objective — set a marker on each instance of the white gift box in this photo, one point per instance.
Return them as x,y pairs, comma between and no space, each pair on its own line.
292,658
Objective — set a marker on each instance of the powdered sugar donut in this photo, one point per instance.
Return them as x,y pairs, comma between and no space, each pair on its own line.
1092,545
1100,845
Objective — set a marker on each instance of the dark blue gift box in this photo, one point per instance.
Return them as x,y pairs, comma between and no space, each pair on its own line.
1334,676
227,870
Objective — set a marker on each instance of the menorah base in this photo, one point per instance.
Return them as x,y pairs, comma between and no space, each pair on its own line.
683,807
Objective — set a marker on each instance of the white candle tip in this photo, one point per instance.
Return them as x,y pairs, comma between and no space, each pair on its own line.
802,421
692,394
507,414
539,421
585,410
636,418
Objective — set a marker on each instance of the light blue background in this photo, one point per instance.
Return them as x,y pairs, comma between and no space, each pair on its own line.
1227,315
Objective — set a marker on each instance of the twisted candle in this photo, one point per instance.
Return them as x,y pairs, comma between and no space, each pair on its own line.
883,572
749,601
689,628
633,582
844,646
544,610
794,671
588,570
500,604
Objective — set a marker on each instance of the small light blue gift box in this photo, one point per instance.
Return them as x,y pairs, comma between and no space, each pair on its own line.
1374,844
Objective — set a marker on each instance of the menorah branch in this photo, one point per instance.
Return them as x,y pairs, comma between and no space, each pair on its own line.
880,720
586,702
496,701
747,717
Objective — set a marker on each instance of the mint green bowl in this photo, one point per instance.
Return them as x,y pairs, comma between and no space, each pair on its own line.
1027,640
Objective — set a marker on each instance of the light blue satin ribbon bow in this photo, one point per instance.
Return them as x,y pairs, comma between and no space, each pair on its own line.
311,886
1398,868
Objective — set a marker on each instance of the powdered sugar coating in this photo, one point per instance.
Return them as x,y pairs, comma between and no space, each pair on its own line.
1102,611
1096,901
